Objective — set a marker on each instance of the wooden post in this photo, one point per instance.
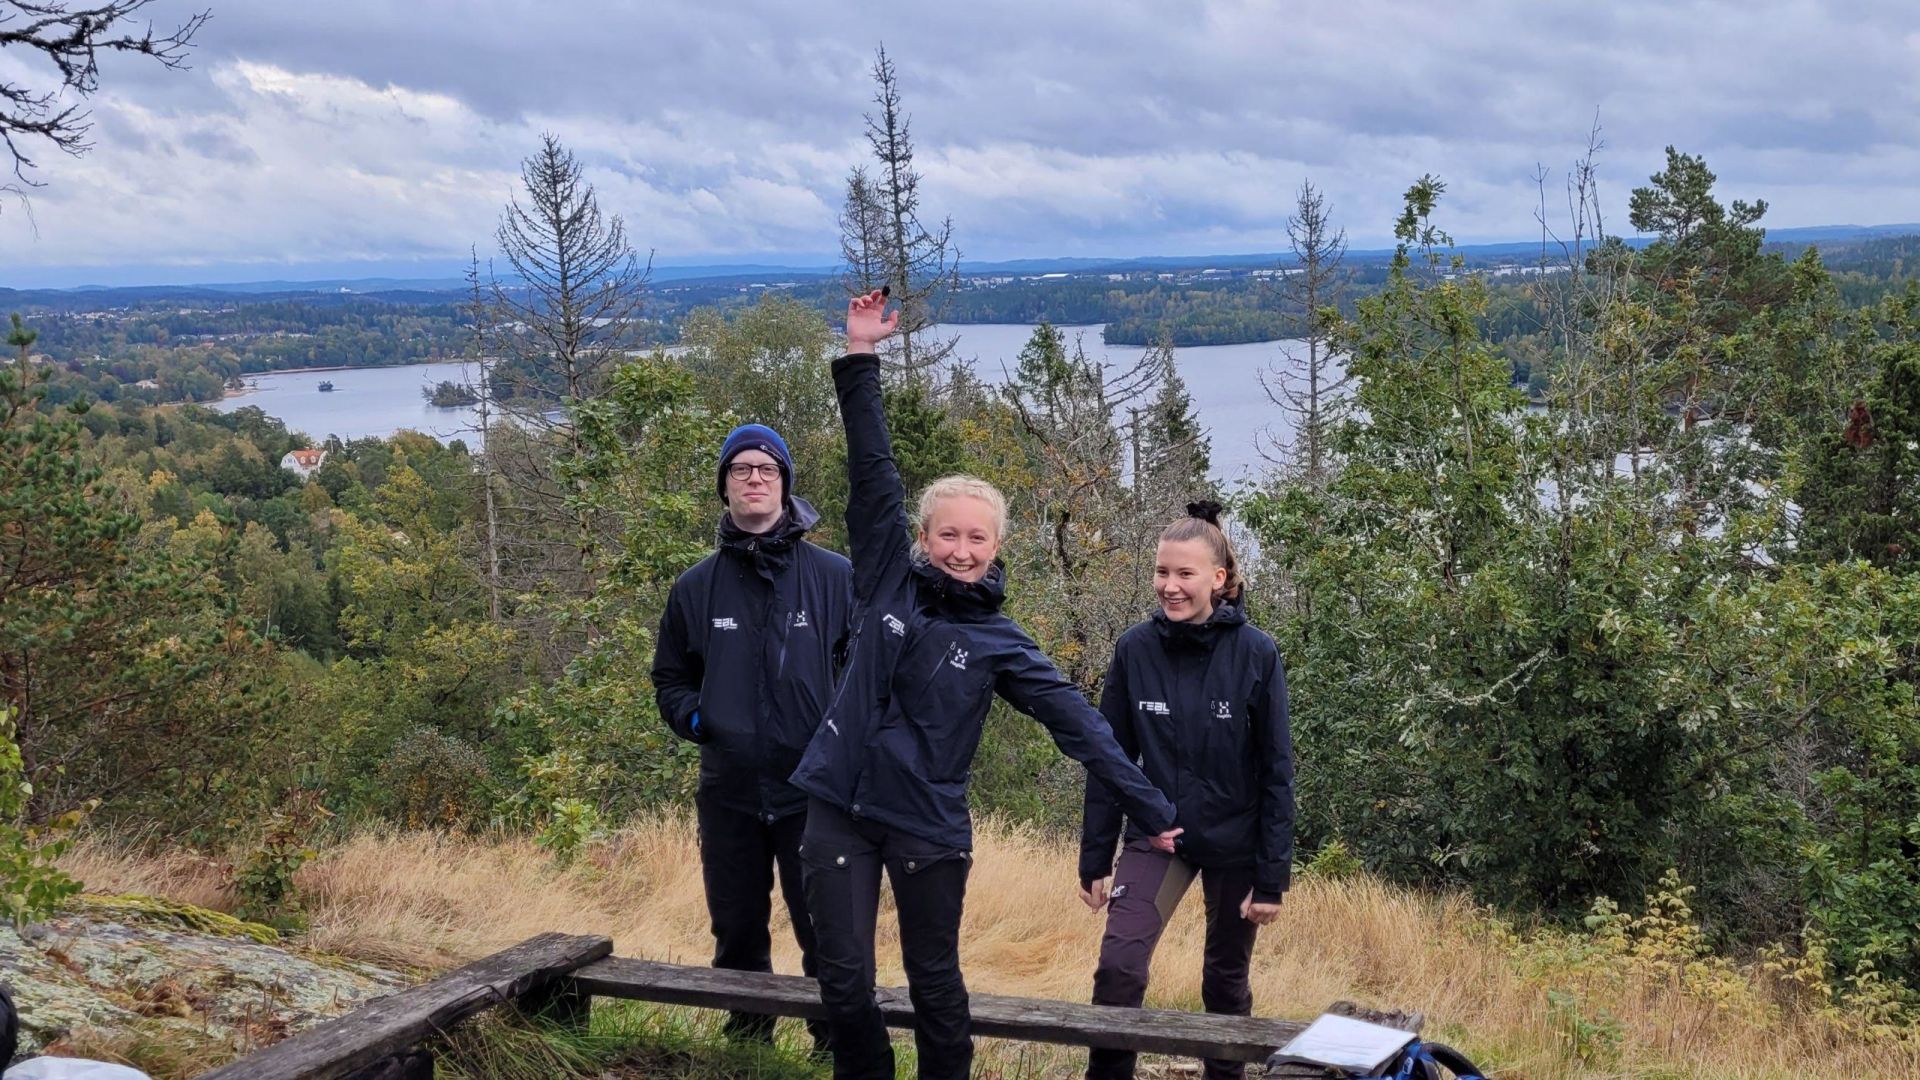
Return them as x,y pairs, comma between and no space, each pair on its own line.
560,1004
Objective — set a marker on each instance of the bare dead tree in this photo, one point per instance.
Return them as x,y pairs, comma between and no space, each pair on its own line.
569,312
70,38
1308,381
572,307
885,240
862,236
1606,380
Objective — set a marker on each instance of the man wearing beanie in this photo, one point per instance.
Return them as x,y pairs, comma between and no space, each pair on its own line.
744,666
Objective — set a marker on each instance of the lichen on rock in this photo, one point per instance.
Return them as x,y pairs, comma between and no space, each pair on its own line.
126,963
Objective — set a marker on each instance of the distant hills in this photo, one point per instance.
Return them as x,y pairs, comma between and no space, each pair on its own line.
428,290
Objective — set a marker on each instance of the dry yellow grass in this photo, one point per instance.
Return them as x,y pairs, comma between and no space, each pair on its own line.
431,900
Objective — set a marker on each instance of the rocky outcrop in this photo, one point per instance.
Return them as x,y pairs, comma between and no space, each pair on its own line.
114,968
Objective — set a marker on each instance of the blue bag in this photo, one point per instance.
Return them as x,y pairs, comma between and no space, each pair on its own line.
1425,1060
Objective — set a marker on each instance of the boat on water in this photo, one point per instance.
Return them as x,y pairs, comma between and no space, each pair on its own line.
326,387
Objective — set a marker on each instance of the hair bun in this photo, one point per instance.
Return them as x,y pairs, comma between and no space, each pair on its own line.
1206,510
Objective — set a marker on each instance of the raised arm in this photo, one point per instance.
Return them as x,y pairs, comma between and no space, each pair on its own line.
877,528
1100,823
1034,686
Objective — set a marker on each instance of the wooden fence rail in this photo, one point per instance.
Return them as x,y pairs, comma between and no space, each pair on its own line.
556,976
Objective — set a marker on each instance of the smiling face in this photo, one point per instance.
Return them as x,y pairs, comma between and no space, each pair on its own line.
961,536
1185,576
755,501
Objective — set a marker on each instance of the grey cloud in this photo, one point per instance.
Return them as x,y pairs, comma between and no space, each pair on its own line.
307,130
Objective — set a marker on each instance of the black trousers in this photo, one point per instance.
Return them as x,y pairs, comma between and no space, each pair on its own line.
1147,887
844,858
740,853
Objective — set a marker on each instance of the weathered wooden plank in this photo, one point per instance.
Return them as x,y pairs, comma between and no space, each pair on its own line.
394,1024
1156,1031
712,988
1153,1031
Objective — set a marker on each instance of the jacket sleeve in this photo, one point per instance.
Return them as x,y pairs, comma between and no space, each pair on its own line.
1100,824
877,530
1033,685
677,670
1273,742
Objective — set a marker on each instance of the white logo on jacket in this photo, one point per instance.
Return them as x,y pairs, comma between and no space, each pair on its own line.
800,620
1223,710
725,624
957,657
1158,708
894,625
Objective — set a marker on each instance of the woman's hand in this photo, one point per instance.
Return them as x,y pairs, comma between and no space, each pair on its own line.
1096,895
868,323
1164,842
1259,914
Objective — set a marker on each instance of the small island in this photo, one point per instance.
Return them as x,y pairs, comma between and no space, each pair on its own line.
450,395
326,386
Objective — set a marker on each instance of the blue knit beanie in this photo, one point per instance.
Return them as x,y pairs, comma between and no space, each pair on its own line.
764,439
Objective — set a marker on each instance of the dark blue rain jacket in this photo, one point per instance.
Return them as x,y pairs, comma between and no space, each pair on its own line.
927,653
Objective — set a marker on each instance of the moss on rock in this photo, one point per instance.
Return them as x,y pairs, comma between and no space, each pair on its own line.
135,907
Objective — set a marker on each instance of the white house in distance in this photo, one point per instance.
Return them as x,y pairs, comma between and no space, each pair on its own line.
304,463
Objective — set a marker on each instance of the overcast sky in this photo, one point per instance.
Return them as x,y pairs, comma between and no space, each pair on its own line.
371,136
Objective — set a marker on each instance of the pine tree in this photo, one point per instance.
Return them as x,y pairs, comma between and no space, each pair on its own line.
572,307
884,239
1309,381
104,641
1172,452
566,317
1861,496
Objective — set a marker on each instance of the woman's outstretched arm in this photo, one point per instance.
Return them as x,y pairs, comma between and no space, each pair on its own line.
878,533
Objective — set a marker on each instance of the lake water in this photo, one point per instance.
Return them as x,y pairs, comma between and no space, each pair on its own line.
1224,381
365,402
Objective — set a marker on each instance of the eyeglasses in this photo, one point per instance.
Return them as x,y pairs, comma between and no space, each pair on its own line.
741,470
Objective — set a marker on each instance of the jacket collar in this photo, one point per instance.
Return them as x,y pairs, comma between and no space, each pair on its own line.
1227,616
963,599
774,548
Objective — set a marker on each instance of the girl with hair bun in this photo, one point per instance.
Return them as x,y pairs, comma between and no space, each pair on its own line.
1198,696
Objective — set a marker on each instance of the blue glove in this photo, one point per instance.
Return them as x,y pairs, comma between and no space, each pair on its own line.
693,725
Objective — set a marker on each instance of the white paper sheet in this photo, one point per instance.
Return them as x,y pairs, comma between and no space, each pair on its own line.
1346,1043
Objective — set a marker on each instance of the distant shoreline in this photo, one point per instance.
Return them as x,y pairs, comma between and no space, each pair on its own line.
226,394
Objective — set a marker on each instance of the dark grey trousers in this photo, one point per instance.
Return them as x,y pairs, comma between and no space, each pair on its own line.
1147,887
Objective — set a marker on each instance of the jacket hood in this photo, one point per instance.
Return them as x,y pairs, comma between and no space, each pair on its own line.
799,520
964,599
1227,616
